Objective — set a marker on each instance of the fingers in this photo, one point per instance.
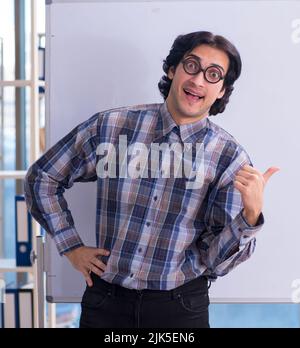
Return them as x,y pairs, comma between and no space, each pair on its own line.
86,261
87,278
101,252
241,187
241,179
96,270
249,168
99,264
248,175
251,173
244,179
95,265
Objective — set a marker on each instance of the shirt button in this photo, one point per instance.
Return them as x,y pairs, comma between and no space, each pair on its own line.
155,198
131,275
148,224
140,250
245,236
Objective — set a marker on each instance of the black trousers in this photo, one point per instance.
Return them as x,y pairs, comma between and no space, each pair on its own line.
107,305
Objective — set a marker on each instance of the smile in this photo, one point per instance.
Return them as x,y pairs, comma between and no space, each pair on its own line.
191,96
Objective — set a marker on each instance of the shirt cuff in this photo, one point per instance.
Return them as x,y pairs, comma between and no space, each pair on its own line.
243,231
66,240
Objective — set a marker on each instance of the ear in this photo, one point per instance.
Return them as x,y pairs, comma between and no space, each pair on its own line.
221,94
171,73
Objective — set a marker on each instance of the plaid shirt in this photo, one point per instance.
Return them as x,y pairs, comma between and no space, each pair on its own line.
160,233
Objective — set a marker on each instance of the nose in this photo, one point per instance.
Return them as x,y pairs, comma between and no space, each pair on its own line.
198,79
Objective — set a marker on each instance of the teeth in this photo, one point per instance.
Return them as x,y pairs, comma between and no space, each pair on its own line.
195,95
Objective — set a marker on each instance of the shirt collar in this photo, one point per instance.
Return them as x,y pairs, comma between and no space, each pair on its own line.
188,132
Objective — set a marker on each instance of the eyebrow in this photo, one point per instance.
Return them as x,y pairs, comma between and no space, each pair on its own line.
199,58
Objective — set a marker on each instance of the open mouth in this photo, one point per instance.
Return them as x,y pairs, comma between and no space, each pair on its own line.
192,96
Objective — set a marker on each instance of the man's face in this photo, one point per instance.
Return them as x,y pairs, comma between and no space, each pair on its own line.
184,107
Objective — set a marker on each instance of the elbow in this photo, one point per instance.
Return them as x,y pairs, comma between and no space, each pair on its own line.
28,185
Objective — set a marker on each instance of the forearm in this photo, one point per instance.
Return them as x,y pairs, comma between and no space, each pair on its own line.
46,203
72,159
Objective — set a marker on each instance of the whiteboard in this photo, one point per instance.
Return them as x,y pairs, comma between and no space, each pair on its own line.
103,55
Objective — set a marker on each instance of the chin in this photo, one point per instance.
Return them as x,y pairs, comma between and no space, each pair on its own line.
190,113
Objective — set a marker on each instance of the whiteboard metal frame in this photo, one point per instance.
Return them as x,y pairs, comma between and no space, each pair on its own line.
51,299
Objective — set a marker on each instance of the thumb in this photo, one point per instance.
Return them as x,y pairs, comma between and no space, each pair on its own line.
268,173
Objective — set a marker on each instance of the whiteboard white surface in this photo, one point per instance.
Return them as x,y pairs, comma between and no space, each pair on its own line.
102,55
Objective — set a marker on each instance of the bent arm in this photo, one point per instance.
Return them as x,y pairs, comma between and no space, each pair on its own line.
229,239
72,159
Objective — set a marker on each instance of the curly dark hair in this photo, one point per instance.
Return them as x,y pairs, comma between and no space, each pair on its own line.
185,44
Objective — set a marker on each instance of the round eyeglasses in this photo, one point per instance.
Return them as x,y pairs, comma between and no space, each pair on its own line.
192,66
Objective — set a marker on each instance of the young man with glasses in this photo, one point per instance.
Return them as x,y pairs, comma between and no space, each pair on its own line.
160,241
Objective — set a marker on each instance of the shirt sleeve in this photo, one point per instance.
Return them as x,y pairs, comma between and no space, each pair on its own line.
228,239
72,159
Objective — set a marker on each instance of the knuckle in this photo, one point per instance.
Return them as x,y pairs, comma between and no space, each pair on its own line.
97,263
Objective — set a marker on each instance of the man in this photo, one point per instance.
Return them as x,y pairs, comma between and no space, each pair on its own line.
161,236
